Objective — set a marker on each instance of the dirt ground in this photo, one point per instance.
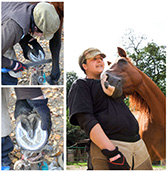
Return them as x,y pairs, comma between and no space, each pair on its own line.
75,167
56,140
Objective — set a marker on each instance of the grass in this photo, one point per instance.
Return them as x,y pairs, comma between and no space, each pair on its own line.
159,167
77,163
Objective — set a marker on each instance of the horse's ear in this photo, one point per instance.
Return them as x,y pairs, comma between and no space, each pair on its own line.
108,63
121,52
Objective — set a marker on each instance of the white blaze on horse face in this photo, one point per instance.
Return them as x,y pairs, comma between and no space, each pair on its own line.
110,90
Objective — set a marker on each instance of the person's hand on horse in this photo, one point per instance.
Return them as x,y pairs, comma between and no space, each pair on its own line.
40,106
116,159
17,66
33,51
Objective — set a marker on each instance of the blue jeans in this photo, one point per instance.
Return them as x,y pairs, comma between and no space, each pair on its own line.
8,80
6,148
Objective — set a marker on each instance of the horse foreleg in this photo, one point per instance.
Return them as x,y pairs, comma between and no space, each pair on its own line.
55,46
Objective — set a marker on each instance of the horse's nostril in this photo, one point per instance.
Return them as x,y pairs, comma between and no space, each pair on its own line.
107,77
106,84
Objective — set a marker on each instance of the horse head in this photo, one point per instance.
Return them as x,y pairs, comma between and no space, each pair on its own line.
122,75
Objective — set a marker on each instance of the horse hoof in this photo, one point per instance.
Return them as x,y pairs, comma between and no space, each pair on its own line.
51,81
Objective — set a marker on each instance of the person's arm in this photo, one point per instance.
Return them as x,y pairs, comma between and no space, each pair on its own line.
92,128
28,93
14,65
12,33
115,158
98,137
6,62
39,97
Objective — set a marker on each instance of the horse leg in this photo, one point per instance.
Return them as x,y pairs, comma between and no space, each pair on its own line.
55,46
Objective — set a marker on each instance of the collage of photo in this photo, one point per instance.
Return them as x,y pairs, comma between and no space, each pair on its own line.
83,85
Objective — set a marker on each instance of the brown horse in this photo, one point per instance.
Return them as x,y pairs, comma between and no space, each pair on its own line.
147,103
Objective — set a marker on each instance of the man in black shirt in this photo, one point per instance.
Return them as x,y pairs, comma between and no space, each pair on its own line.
112,128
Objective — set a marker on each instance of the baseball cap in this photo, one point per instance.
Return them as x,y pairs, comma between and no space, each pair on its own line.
90,53
46,19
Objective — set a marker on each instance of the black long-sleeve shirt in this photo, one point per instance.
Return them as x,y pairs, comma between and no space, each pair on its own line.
89,105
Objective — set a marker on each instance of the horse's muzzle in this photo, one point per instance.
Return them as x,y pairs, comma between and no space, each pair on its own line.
112,85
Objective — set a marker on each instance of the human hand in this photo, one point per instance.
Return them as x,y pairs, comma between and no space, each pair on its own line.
22,108
40,106
116,159
33,51
17,66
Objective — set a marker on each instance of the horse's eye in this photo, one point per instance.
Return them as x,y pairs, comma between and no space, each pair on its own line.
122,61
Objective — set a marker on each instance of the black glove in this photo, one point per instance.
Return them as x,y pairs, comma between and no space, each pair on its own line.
119,163
33,51
40,106
17,66
22,108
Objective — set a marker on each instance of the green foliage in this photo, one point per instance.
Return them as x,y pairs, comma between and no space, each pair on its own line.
77,163
159,167
70,78
152,61
126,101
74,133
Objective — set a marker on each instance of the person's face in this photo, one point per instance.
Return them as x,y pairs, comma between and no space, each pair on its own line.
39,34
94,67
36,33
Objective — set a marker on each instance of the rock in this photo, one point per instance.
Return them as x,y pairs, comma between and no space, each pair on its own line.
18,155
14,160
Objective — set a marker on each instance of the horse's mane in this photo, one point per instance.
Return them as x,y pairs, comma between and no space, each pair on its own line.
137,103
